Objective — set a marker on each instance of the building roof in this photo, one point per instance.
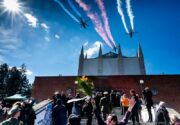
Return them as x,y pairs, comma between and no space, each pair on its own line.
110,55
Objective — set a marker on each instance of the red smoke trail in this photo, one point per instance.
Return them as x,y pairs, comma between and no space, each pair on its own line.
105,19
96,21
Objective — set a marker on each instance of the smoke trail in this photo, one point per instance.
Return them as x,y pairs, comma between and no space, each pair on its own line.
63,7
121,14
105,19
74,8
96,21
130,13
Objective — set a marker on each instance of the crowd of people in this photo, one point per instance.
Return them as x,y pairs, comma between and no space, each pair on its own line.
21,113
99,106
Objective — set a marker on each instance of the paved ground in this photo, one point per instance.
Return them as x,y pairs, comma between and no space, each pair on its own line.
117,111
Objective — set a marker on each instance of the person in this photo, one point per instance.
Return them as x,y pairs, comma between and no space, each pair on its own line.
125,104
69,105
88,108
112,118
63,98
97,100
1,109
55,97
139,102
135,110
175,120
31,114
74,120
77,106
14,114
117,99
148,101
27,115
59,113
105,105
112,97
48,115
162,115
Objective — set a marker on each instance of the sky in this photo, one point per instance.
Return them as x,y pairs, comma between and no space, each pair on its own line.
42,35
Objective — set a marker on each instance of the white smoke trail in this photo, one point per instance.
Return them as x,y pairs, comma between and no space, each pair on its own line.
121,14
130,13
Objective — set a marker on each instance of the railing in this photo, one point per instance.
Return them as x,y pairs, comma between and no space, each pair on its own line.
40,110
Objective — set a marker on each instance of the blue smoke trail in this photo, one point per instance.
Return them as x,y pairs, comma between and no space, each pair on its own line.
74,8
63,7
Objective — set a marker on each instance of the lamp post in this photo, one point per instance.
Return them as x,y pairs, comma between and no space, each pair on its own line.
141,82
75,83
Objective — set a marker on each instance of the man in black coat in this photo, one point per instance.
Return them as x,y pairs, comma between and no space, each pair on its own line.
148,101
105,105
135,109
88,108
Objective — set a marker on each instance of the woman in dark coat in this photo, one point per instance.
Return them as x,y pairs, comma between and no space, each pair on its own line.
59,114
162,115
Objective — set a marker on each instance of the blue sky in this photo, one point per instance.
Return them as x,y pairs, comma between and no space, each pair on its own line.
48,41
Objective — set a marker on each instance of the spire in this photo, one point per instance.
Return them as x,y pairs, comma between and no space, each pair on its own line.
140,53
81,62
119,51
82,53
100,51
86,56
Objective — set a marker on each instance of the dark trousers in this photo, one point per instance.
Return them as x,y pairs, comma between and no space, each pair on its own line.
89,119
135,117
124,110
149,113
104,115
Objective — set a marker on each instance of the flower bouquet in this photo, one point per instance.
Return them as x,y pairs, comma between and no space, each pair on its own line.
85,86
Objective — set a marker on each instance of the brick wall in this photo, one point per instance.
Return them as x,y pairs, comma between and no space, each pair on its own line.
168,86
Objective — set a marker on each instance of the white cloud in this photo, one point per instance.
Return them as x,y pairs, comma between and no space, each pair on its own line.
85,44
45,27
32,20
57,36
9,40
29,72
94,49
47,39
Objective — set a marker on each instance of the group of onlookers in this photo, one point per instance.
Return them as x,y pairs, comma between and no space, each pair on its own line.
57,112
64,112
21,113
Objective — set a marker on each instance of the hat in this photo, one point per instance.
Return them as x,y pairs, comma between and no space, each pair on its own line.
13,110
161,103
105,93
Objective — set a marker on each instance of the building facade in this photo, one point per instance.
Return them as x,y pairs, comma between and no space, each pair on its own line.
111,64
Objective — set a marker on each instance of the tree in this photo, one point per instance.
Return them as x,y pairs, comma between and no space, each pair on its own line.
14,80
4,69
